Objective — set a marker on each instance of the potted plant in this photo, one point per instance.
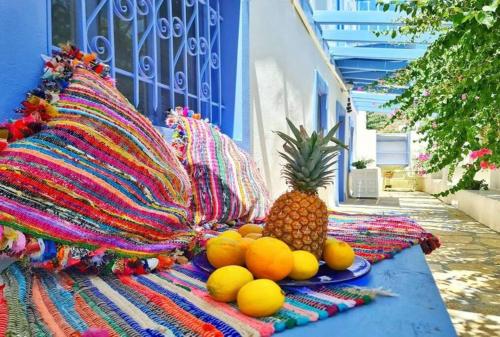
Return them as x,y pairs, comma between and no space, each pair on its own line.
362,163
364,182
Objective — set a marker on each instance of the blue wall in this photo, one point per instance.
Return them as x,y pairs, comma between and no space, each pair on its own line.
235,65
23,37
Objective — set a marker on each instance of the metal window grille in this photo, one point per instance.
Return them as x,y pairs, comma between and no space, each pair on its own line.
163,53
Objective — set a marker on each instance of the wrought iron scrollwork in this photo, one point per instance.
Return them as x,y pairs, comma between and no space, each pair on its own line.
171,54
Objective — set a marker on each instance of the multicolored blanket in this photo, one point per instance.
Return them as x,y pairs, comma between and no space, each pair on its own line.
172,303
226,183
96,176
175,302
378,237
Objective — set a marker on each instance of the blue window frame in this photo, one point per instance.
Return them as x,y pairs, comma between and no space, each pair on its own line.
163,53
320,102
341,135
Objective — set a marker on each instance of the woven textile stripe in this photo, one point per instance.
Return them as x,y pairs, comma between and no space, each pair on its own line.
375,237
98,175
173,303
226,182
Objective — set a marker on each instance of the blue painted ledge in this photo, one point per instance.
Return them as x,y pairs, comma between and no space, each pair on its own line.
417,311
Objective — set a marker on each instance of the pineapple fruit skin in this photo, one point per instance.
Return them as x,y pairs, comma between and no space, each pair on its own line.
300,219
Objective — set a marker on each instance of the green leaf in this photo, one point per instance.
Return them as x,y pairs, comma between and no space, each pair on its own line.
331,133
294,129
287,138
485,19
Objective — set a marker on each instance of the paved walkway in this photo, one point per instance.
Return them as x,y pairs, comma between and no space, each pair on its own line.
467,266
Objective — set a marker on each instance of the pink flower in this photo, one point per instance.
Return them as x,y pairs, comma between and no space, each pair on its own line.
493,166
486,151
423,157
474,154
426,93
464,97
480,153
484,164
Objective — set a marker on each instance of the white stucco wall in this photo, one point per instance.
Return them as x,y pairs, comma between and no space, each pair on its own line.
366,140
283,60
484,206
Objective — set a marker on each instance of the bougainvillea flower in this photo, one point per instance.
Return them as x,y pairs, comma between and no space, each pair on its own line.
492,166
484,164
423,157
480,153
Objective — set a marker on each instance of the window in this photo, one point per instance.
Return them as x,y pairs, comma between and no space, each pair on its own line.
163,53
321,101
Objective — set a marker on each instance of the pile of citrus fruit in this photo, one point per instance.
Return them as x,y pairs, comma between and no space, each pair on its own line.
266,259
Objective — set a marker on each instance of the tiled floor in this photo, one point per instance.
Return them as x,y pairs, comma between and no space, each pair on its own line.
467,266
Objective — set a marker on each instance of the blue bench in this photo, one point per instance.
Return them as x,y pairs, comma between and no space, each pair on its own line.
417,311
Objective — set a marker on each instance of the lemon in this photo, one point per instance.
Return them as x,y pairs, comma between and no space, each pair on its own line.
305,265
224,251
330,240
224,283
338,255
249,228
254,235
260,298
232,234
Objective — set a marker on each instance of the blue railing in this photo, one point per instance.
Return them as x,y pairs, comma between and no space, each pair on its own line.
163,53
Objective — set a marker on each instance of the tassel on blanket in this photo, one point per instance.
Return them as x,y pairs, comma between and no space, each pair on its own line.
372,292
429,243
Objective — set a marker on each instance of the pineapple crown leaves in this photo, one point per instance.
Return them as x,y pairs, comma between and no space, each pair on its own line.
309,158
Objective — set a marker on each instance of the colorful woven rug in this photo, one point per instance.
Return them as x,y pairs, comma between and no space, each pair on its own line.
378,237
173,303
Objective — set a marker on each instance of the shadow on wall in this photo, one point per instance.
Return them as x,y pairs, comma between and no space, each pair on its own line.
270,115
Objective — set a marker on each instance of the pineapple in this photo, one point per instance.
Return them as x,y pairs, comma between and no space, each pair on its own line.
299,217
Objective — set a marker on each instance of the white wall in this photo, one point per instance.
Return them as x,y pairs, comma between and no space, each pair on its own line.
283,60
365,140
484,206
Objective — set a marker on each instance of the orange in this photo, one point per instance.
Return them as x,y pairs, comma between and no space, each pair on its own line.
269,258
249,228
254,235
245,243
338,255
224,252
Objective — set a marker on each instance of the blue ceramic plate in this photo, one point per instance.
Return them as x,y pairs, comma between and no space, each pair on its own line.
325,275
